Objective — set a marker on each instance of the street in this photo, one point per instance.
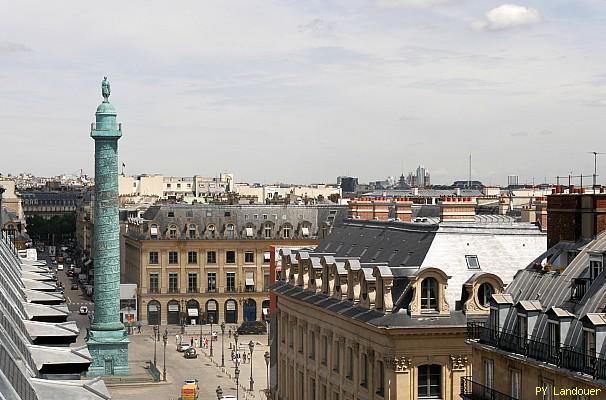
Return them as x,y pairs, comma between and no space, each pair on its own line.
207,370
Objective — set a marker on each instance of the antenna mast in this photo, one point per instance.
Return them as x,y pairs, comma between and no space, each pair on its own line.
595,167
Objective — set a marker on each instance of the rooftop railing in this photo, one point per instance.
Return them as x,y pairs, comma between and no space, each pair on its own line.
536,348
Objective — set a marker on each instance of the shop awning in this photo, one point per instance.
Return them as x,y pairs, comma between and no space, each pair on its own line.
249,232
250,279
265,311
192,312
152,307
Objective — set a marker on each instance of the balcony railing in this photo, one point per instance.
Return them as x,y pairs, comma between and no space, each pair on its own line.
230,290
192,290
211,290
173,290
153,290
540,350
475,391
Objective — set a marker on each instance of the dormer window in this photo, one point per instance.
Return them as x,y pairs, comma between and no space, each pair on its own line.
522,326
153,231
588,345
229,231
286,232
211,231
192,231
267,231
553,335
429,294
172,232
595,267
485,292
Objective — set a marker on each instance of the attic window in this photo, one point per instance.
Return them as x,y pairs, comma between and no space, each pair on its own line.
472,262
595,267
227,213
171,213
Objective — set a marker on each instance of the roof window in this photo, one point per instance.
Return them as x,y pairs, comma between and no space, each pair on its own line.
472,262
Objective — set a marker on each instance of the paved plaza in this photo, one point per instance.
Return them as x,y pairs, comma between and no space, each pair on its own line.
207,370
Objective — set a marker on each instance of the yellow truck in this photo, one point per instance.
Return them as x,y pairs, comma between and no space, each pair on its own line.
189,392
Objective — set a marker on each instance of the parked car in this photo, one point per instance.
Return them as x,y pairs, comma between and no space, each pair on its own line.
229,397
60,267
83,310
190,353
74,286
252,328
181,347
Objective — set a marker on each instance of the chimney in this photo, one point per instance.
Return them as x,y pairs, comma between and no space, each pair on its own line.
403,207
415,191
365,208
457,209
381,209
352,207
541,213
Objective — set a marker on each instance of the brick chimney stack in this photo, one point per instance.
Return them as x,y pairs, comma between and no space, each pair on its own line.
503,205
541,213
457,209
403,206
381,208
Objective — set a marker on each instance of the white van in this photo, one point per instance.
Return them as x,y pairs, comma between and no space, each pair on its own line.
83,310
60,267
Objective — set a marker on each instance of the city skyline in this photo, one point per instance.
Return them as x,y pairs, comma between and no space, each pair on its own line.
209,87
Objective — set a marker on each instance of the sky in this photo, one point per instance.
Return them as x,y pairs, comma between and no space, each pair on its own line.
305,91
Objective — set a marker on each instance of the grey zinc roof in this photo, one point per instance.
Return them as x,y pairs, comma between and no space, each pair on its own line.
554,289
44,355
393,243
241,216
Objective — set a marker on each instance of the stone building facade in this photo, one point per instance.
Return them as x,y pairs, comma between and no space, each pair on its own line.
191,262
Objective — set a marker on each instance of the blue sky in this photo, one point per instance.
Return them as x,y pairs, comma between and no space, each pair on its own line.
306,91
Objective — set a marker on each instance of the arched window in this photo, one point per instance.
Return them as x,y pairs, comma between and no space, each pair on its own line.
172,232
485,292
429,381
211,231
429,294
229,231
286,231
192,231
267,231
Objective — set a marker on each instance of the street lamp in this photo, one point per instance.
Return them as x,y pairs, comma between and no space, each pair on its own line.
266,355
165,339
223,344
236,339
237,373
219,392
211,334
251,346
155,341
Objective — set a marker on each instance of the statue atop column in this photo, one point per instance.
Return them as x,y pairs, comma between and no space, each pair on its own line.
105,92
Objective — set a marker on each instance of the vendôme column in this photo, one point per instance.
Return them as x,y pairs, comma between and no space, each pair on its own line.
107,340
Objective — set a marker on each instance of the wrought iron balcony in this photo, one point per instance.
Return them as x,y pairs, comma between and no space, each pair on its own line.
540,350
475,391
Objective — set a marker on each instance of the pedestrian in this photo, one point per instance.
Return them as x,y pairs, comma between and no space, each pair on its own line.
238,357
138,326
244,357
191,342
177,338
229,334
233,356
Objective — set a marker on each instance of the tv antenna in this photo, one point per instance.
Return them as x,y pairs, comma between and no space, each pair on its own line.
595,166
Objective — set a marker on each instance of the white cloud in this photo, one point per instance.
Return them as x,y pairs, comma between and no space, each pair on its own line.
410,3
508,16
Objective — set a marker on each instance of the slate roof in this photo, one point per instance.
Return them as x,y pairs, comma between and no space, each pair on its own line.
241,216
407,247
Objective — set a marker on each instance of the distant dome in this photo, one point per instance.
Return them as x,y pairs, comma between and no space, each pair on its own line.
106,108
